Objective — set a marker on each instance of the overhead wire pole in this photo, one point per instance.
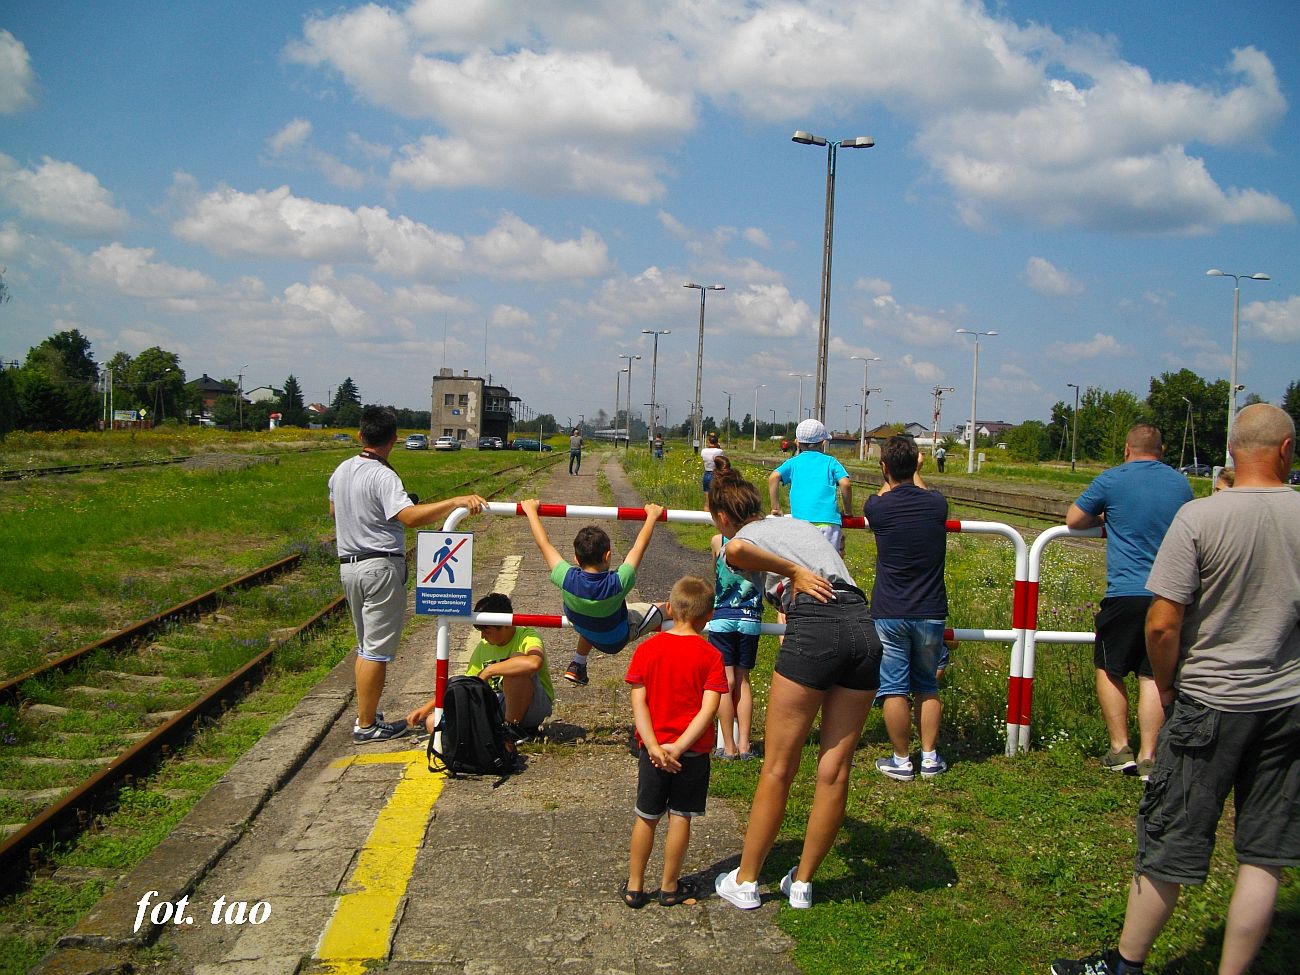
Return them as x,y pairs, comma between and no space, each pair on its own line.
828,238
755,416
698,425
654,372
1074,437
974,389
862,434
938,409
630,358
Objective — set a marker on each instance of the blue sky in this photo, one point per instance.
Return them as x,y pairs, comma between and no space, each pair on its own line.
379,190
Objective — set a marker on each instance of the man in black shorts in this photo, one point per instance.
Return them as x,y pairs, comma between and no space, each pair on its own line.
1225,618
1135,502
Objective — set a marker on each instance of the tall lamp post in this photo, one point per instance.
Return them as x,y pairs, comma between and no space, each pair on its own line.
654,371
974,386
618,387
1074,437
828,236
755,416
867,360
888,404
727,428
630,358
847,407
1214,272
801,376
241,395
697,426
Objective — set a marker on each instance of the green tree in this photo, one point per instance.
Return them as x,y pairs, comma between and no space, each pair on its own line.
292,407
345,408
158,383
1291,402
57,385
1031,441
8,402
1182,402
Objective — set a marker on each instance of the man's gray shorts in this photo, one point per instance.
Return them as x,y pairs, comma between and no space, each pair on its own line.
539,709
1202,754
376,593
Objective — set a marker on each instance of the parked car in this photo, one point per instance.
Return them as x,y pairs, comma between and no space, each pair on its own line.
1196,470
1294,477
446,443
490,443
532,445
417,441
341,437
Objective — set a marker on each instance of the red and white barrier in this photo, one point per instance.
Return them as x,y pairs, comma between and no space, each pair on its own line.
1023,635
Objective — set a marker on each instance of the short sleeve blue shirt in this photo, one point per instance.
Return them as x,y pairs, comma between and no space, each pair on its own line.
814,479
1139,500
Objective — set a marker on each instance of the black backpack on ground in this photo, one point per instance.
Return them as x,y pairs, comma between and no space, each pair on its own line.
474,739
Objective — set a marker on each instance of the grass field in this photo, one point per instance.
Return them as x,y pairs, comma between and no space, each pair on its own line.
1002,865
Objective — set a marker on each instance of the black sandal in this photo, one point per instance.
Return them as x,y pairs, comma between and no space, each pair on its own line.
635,899
686,893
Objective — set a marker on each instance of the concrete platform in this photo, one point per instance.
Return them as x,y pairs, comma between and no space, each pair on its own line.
362,860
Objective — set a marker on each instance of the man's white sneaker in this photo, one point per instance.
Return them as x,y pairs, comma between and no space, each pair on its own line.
744,896
799,892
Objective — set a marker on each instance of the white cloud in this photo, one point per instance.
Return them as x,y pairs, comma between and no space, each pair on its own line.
1112,155
518,250
16,76
61,194
770,310
1097,346
1277,321
1046,278
293,136
912,324
874,286
133,271
757,237
509,317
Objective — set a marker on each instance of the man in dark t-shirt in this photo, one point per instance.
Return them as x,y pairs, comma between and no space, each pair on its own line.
909,604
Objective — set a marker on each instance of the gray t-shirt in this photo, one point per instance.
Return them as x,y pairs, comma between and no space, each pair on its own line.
367,495
1233,560
800,542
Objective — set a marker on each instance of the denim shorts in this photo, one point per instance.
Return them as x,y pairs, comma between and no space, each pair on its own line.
909,656
684,793
1121,625
830,644
737,649
1202,754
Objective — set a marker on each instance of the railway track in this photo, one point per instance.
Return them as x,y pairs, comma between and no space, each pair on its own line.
74,810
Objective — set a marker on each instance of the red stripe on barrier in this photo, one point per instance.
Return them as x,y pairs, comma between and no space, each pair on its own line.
854,522
1013,700
949,634
550,510
1026,700
953,525
537,619
440,682
1019,600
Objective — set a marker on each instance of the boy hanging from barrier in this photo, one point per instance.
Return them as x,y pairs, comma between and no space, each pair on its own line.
677,681
595,598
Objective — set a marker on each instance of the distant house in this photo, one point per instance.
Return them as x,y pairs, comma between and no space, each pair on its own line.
208,390
992,429
319,409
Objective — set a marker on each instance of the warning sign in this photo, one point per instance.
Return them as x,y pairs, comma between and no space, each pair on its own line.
444,579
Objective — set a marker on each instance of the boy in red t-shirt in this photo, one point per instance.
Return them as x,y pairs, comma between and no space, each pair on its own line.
677,680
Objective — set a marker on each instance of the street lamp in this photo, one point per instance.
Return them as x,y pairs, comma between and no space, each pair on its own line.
727,428
755,415
654,371
862,424
630,358
824,317
974,385
847,407
618,386
888,404
241,395
699,359
1074,437
1214,272
801,376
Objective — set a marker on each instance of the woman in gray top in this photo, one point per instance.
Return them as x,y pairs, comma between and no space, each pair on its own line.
829,662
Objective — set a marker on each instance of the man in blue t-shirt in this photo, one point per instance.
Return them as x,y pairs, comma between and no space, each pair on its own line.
1136,502
909,604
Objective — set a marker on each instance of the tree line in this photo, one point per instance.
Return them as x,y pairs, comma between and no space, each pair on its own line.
1190,411
60,386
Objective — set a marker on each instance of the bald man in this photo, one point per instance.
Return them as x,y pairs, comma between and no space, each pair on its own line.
1223,635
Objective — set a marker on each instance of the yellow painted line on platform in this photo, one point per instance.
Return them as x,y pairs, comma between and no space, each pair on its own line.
361,929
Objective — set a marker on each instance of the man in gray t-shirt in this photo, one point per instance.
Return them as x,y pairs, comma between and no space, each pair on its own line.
1223,636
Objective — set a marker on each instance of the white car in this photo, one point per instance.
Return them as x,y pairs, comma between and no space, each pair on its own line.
446,443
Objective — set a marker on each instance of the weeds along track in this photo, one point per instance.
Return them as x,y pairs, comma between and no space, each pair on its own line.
81,726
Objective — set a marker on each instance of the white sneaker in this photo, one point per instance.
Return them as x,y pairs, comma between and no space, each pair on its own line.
744,896
356,722
799,892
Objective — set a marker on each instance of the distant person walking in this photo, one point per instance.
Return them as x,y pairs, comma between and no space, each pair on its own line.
940,457
371,512
707,455
1224,638
575,451
1136,503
